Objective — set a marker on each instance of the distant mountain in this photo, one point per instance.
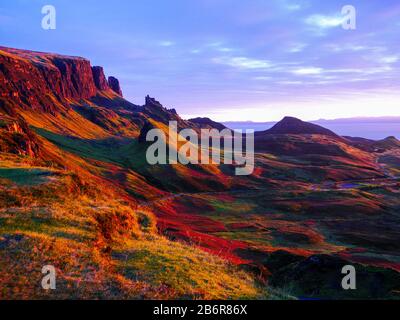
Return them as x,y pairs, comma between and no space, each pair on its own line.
290,125
374,128
388,143
360,119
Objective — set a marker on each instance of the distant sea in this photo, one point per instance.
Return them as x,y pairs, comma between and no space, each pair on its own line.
370,128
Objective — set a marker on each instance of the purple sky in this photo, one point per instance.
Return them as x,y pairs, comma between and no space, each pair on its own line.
229,59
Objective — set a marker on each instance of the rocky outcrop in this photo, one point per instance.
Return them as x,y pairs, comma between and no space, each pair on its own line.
113,83
151,102
16,137
46,82
153,109
99,78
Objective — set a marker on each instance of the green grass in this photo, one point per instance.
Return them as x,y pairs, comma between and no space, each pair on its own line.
125,152
128,154
85,238
188,271
25,176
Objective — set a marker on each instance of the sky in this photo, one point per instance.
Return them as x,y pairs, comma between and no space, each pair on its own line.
231,60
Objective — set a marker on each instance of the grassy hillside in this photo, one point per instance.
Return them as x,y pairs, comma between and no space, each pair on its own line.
77,192
100,246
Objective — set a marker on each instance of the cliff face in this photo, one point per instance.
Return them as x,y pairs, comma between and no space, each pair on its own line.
71,79
44,81
113,83
99,78
69,96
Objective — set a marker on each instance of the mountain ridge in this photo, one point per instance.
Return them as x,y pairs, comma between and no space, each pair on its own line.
75,181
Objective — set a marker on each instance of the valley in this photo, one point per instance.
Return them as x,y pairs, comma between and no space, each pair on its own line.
77,191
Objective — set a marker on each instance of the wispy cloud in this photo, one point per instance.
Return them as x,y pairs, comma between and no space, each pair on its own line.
211,52
290,5
195,51
290,82
324,22
297,47
225,49
262,78
354,47
389,59
243,63
293,7
166,43
307,71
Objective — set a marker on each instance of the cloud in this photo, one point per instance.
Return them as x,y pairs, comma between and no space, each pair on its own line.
225,49
325,22
195,51
389,59
292,7
290,82
216,44
297,47
354,47
166,43
244,63
262,78
307,71
219,46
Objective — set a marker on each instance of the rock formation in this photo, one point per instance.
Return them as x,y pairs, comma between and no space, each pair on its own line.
99,78
113,83
47,82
